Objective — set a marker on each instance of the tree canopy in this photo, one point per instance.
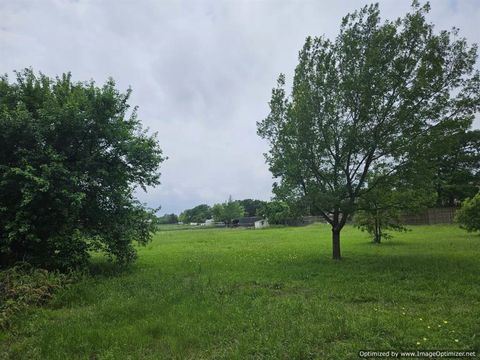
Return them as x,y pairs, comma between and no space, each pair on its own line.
280,213
72,155
198,214
365,102
168,219
228,211
455,154
251,206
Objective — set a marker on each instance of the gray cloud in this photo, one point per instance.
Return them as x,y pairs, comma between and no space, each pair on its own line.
201,72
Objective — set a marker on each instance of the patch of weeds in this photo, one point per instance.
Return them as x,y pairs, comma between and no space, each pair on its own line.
23,285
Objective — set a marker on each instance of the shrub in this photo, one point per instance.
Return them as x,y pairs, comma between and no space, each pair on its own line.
468,216
72,155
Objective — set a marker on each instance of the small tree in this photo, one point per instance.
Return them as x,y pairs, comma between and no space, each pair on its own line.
381,207
71,157
228,211
468,216
362,103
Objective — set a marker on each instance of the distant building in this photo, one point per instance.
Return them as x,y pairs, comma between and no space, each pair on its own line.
247,221
261,224
209,222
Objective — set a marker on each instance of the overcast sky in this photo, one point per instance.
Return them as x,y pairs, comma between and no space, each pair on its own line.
201,72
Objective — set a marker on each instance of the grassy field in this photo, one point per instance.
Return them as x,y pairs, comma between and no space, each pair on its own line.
274,293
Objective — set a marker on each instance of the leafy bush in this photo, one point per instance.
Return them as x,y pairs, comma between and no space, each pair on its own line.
24,285
468,216
72,155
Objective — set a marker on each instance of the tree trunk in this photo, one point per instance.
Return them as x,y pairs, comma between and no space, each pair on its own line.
377,235
337,225
336,243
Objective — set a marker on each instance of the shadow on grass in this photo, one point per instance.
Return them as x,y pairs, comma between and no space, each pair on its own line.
102,267
386,243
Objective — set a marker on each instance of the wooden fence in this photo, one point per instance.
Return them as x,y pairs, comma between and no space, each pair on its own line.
428,217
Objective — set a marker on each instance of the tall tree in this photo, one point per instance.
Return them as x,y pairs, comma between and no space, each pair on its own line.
365,102
71,157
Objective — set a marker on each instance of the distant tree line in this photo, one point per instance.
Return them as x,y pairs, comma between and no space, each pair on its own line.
276,211
228,212
198,214
222,212
168,219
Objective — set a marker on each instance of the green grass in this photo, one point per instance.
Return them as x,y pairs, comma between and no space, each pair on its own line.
274,293
175,227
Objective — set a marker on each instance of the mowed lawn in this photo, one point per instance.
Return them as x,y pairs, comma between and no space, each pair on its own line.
274,293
